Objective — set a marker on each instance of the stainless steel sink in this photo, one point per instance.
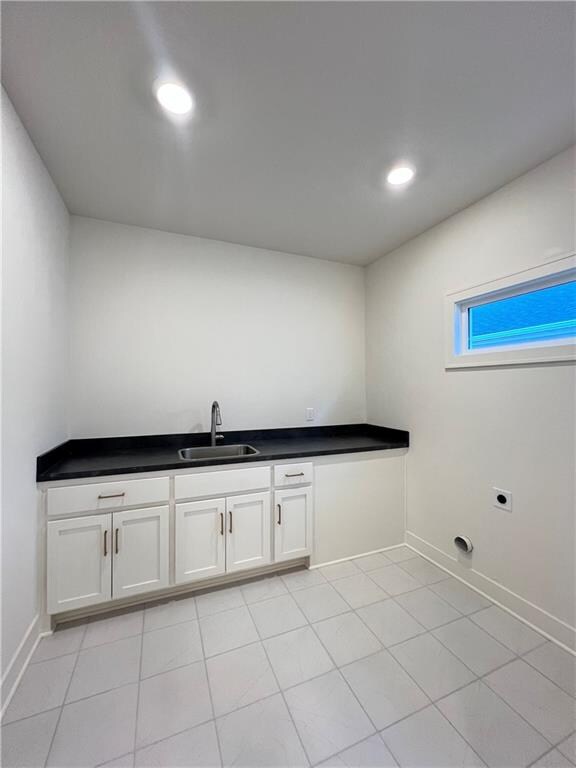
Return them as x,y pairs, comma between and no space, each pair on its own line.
216,452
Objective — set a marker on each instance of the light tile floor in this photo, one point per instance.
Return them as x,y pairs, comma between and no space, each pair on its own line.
376,662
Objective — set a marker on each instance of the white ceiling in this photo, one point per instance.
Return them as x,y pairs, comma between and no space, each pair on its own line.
301,107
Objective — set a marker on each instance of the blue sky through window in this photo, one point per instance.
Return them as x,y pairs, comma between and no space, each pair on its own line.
544,314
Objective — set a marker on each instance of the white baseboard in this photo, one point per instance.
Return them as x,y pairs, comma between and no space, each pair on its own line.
551,626
355,557
19,662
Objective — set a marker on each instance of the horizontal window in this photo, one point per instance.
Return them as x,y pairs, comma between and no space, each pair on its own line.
543,314
529,317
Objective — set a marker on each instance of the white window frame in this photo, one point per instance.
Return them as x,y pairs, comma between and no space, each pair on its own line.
457,304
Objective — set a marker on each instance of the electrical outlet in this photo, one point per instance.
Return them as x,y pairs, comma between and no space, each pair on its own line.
502,499
309,414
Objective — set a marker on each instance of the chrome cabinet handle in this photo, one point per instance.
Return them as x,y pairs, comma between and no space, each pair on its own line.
105,543
221,524
294,474
230,529
111,495
116,548
279,514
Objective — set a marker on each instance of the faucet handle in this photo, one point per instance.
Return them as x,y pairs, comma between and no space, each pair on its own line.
219,437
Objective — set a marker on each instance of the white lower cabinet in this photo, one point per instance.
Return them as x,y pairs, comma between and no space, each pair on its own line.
96,558
248,531
292,523
221,536
124,553
79,563
141,551
200,550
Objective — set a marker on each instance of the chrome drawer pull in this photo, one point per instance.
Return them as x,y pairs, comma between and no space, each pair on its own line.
111,495
294,474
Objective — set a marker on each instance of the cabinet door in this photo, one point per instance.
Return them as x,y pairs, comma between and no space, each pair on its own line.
292,523
140,544
79,557
200,540
248,531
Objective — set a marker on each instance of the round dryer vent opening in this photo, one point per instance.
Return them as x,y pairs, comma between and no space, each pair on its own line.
464,544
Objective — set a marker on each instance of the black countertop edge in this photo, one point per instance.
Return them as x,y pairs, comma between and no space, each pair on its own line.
96,457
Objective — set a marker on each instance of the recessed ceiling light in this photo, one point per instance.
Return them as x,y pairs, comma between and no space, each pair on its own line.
402,174
175,98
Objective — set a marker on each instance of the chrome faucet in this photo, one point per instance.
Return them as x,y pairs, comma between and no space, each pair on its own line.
216,421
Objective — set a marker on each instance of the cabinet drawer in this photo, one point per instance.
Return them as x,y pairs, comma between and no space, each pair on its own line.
221,483
72,499
286,475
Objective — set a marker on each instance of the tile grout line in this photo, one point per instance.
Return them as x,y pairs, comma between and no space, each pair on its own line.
182,666
347,684
126,754
572,733
482,682
433,702
105,690
352,610
335,668
240,588
477,679
185,664
544,639
477,676
197,619
166,738
134,740
351,746
32,663
36,714
530,765
49,751
209,690
343,676
309,623
520,715
464,739
108,642
388,747
305,752
368,629
377,730
524,656
269,696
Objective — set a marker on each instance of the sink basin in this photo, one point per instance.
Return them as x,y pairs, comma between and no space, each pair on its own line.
216,452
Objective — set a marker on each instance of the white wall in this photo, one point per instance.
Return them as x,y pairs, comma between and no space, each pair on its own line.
358,504
162,324
470,430
34,361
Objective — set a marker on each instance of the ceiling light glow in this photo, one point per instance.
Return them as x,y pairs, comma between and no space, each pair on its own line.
175,98
401,174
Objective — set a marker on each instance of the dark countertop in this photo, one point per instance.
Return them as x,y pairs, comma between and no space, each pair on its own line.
95,457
